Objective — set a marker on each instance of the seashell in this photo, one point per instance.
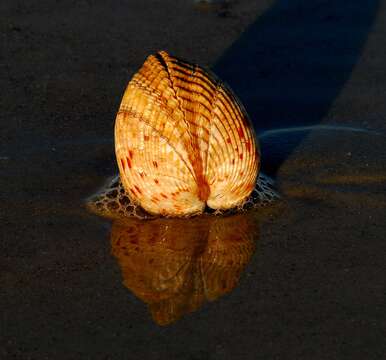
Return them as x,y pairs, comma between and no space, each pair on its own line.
176,266
183,141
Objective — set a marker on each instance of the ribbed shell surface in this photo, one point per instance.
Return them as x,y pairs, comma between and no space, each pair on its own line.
183,140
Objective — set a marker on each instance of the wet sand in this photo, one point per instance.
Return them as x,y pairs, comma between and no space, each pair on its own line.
315,286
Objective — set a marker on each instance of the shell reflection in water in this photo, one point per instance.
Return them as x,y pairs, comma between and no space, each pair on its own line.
176,265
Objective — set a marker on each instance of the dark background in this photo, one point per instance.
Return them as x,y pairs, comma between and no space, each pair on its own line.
315,288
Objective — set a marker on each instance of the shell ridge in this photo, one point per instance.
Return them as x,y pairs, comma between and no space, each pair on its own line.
214,102
136,115
158,97
236,113
247,123
230,131
232,119
192,147
173,88
204,188
229,115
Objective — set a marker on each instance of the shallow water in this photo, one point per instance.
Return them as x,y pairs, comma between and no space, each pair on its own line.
308,263
176,265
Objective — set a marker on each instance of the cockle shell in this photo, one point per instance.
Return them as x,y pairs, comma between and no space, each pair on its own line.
183,140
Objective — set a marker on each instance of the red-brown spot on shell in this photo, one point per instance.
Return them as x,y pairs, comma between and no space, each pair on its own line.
141,174
163,195
241,132
128,162
241,156
250,187
138,189
154,199
146,138
248,146
155,164
233,161
156,181
229,140
130,154
123,164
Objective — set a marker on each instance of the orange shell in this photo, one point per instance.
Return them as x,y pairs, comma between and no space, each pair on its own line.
183,140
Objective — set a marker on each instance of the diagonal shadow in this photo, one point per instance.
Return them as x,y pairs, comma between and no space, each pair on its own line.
292,62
